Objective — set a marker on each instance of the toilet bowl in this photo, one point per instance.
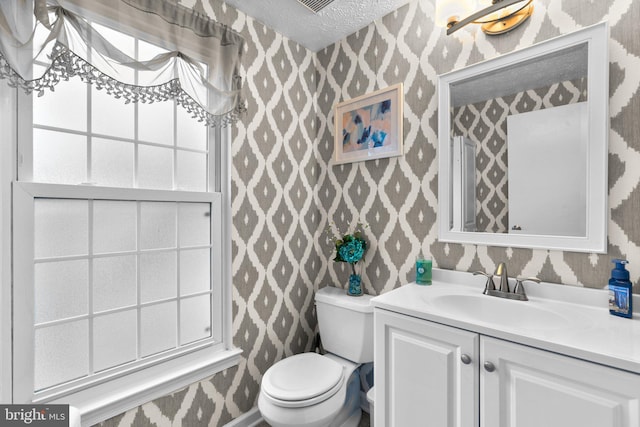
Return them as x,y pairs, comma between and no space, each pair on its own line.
313,390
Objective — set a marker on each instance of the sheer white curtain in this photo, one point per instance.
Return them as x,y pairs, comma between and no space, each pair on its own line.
59,38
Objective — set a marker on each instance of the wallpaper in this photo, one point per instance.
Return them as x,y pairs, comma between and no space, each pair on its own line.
286,188
485,123
397,197
275,264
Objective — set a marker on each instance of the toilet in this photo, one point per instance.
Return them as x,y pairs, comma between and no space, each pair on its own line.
313,390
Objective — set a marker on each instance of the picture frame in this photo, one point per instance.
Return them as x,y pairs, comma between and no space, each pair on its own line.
370,126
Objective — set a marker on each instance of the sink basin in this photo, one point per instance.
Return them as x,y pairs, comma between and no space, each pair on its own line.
517,314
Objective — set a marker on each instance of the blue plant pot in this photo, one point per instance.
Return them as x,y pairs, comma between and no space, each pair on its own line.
355,285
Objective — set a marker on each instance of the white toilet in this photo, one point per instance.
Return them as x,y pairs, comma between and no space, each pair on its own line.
312,390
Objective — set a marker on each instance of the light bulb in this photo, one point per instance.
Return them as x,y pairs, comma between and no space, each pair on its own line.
451,11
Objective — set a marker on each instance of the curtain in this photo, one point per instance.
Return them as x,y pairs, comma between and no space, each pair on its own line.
44,42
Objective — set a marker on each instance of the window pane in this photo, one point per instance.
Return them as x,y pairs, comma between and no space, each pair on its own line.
195,318
112,163
195,224
155,167
110,115
192,171
61,290
157,225
191,133
114,341
158,331
158,276
114,282
114,226
61,353
61,227
195,268
66,107
155,122
59,157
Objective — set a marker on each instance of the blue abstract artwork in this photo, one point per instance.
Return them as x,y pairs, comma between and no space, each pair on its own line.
367,128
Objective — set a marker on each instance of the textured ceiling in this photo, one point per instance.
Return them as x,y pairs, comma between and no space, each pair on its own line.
316,30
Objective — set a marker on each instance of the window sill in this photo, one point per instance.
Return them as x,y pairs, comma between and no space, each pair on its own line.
107,400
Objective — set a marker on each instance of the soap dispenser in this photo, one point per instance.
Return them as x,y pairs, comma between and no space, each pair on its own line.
620,290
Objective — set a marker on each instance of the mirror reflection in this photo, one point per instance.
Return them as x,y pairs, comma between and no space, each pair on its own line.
506,130
523,146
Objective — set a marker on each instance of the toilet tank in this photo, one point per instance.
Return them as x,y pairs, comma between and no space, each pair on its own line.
345,324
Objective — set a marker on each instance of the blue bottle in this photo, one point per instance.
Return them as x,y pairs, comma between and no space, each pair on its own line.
620,290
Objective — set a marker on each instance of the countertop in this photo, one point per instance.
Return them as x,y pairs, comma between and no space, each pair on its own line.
591,334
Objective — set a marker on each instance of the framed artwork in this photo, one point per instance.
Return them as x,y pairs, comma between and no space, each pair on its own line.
369,127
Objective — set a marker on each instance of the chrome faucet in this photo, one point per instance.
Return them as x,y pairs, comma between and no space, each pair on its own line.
504,291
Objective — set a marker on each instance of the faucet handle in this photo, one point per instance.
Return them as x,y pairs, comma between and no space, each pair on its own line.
519,289
490,285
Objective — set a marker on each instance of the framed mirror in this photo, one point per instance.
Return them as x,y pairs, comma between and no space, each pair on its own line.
523,147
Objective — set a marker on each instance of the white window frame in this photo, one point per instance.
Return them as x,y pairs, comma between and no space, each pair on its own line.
155,378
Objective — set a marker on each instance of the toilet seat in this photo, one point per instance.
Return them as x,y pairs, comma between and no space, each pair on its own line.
302,380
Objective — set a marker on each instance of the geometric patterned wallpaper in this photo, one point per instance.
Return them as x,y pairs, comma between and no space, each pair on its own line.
485,123
274,261
286,188
397,197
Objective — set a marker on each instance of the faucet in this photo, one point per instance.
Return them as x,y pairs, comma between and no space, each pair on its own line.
501,272
503,291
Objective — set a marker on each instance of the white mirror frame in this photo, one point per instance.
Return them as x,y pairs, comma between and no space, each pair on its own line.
597,38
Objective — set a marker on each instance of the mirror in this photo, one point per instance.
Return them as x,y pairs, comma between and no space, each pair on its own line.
523,147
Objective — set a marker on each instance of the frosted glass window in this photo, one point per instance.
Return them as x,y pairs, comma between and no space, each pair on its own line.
195,319
114,226
157,225
192,171
195,224
65,107
112,163
110,116
158,276
195,268
61,227
155,167
114,282
115,339
61,290
61,353
191,133
59,157
158,328
155,122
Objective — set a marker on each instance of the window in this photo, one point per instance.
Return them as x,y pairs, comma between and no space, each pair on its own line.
121,246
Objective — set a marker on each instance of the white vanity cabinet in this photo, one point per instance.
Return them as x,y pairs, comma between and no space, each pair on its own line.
433,375
419,376
528,387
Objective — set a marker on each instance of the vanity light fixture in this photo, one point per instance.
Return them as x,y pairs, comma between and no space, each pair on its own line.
498,17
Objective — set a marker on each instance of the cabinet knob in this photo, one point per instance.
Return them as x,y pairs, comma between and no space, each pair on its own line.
489,367
465,359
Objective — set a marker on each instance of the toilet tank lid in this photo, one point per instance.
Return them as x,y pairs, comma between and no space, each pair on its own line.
338,297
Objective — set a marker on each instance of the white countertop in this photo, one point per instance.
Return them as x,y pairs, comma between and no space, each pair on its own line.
584,327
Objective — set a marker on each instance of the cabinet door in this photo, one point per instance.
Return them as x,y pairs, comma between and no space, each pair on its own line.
535,388
421,376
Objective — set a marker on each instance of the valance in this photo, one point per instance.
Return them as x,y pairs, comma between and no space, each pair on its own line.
44,42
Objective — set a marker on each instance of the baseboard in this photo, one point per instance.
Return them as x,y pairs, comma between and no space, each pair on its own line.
248,419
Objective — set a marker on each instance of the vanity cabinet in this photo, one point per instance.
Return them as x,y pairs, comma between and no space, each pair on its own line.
429,374
420,378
